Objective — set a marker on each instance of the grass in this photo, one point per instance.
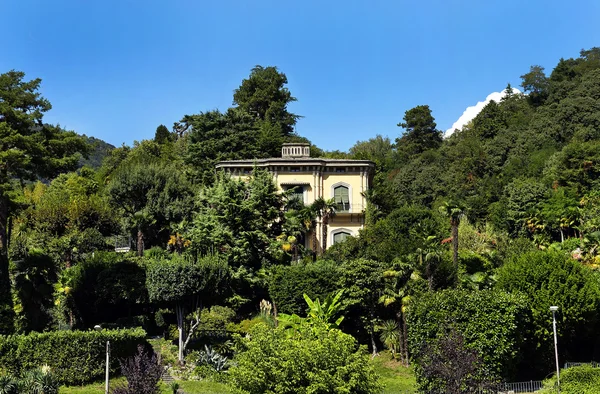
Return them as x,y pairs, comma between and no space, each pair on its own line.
190,387
395,377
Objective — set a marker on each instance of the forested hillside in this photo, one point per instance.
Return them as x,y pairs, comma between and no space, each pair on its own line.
469,239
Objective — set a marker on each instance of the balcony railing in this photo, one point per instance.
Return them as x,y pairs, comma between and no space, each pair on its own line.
348,208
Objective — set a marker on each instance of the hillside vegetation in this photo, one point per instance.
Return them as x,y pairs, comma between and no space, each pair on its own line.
468,240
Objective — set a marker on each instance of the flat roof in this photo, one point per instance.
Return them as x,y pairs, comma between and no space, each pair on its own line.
307,161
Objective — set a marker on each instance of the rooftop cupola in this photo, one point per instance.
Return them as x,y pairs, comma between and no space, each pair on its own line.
295,150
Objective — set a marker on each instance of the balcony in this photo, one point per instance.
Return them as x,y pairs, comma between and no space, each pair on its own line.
347,208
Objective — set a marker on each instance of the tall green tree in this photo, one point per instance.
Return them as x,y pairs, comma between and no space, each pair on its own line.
29,149
238,219
455,211
364,284
162,134
152,194
420,131
324,210
265,97
535,83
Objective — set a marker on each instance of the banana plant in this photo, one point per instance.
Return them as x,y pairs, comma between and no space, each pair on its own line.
319,315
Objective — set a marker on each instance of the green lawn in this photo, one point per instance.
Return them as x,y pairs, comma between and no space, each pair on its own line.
190,387
395,377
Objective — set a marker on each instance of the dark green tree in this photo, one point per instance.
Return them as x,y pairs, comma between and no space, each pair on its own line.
535,83
239,219
162,134
29,149
420,131
152,194
264,96
363,282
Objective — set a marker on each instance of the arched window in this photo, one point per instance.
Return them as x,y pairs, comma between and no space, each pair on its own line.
340,236
341,196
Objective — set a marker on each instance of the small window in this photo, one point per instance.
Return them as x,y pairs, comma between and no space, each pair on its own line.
340,169
340,237
341,198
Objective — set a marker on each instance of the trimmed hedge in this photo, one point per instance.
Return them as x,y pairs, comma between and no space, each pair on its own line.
493,323
76,357
289,283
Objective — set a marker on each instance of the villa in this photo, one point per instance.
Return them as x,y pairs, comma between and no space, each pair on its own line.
344,181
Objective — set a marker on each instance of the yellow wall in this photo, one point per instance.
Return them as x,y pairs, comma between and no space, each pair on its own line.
321,185
354,181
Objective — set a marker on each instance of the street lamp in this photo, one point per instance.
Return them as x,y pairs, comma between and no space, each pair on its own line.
98,328
554,309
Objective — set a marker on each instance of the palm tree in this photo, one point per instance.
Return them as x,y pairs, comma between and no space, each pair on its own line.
395,294
455,211
324,210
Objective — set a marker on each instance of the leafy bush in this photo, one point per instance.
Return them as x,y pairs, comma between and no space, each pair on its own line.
577,380
75,357
289,283
553,278
216,318
491,323
310,362
105,288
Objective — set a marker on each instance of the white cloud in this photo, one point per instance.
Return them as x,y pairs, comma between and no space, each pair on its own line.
472,111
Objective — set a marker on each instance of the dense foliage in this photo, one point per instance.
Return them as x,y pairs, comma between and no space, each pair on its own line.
323,361
468,239
75,357
490,323
584,379
553,278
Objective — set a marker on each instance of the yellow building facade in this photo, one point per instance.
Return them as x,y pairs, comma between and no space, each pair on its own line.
344,181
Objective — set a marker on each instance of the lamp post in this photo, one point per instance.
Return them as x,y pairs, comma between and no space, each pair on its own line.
98,328
554,309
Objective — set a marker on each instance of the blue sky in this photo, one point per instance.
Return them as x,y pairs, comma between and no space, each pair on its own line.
116,69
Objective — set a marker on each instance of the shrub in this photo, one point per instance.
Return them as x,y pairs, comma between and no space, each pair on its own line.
289,283
577,380
35,381
75,357
490,322
143,373
311,361
216,318
106,287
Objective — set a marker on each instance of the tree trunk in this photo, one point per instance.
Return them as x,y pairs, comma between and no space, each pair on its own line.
314,239
180,317
372,334
140,242
562,236
405,339
6,306
400,336
454,224
325,222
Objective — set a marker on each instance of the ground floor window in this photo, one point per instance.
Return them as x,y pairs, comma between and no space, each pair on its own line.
340,236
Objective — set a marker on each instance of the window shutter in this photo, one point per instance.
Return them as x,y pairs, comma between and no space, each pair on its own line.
338,195
345,195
